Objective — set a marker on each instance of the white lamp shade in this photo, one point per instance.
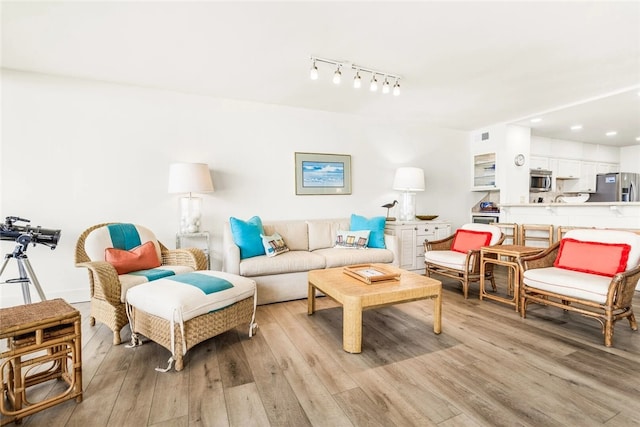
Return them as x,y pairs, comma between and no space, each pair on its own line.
190,178
409,179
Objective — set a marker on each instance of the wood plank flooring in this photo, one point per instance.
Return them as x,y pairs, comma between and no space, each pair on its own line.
489,367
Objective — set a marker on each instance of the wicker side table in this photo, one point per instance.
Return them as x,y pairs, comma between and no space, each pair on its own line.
43,343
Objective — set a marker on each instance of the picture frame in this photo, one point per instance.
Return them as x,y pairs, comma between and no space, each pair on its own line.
324,174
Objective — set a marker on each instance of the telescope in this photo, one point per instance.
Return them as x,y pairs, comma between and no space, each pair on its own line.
25,234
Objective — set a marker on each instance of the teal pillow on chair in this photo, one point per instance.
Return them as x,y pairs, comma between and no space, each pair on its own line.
375,225
246,234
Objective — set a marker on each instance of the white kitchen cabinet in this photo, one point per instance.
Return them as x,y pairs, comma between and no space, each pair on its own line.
607,167
568,169
411,236
587,181
537,162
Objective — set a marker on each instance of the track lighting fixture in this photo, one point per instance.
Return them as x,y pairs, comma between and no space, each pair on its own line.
385,86
313,74
374,83
396,88
357,80
337,76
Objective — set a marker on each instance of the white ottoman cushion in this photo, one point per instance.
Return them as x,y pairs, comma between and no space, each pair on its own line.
173,300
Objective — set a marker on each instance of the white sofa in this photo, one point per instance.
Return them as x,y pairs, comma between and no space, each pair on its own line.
311,247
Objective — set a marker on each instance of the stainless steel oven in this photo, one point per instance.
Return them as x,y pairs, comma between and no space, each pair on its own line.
485,217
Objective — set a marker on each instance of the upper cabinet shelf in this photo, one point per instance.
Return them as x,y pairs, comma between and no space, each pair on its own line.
484,172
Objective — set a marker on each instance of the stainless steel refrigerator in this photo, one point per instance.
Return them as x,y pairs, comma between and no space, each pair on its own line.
617,187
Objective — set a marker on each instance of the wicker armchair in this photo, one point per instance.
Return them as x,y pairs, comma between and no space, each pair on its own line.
106,286
464,267
604,297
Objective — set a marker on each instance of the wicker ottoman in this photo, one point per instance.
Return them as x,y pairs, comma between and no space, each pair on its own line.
181,311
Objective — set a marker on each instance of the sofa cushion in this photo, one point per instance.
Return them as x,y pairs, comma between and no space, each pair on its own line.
375,225
338,257
246,234
605,259
590,287
294,233
141,257
450,259
290,262
352,239
496,233
274,245
610,236
322,233
467,240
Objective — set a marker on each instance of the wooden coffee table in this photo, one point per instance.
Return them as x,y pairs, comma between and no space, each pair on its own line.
356,296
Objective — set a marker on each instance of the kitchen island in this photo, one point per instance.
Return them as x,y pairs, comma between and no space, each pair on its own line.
594,214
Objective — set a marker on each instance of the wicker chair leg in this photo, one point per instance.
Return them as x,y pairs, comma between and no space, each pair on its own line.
632,322
608,333
116,338
92,321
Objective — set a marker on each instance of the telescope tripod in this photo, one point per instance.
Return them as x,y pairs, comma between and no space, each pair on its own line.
24,267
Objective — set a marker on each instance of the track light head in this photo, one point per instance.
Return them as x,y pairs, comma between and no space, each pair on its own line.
386,87
357,81
374,83
313,73
396,88
337,76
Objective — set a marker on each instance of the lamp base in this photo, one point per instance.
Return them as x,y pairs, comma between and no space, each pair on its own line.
190,214
407,207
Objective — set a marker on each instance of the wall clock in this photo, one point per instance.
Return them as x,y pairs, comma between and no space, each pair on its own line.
519,160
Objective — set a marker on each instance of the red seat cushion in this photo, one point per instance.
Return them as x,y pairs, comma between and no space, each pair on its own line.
604,259
141,257
466,240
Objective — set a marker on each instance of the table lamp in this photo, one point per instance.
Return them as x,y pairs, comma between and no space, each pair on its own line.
190,178
408,180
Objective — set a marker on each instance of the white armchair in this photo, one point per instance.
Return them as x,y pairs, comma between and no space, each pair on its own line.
458,256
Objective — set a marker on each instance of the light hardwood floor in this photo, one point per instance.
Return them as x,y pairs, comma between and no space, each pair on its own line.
489,367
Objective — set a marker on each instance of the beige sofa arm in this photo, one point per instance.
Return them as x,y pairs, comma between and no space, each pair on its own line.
230,252
391,243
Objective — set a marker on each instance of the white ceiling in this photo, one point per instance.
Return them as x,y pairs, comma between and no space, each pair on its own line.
465,65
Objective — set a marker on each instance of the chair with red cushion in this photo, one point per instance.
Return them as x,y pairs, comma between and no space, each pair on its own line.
120,256
458,256
593,272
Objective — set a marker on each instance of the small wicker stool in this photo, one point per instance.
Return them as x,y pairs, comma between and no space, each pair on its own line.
44,343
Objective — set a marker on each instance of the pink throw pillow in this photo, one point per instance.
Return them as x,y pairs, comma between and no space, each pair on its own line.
604,259
141,257
466,240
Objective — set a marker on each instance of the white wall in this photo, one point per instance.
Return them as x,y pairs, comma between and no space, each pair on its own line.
76,153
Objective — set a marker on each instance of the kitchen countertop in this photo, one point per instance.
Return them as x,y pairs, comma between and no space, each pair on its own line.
584,204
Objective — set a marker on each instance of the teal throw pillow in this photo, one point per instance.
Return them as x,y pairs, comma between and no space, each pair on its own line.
246,234
374,224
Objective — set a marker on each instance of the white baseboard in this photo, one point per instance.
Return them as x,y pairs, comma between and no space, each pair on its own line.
13,296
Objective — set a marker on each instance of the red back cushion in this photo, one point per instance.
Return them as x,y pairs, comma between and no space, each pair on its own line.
139,258
604,259
466,240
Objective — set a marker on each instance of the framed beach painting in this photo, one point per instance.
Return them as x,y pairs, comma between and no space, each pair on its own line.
318,173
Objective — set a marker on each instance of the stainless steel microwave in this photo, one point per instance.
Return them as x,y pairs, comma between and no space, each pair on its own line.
540,180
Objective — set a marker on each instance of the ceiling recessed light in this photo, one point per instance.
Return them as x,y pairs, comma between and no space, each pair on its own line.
576,127
611,133
637,138
536,120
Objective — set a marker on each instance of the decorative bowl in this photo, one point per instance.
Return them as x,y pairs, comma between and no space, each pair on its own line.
426,217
